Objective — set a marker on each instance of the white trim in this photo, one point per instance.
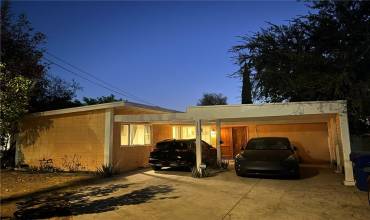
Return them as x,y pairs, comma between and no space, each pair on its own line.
108,137
269,104
198,143
79,109
346,147
244,111
218,140
100,106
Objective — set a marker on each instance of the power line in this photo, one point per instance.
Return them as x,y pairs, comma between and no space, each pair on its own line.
122,92
126,94
87,79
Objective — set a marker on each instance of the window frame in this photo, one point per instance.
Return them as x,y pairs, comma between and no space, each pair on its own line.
129,135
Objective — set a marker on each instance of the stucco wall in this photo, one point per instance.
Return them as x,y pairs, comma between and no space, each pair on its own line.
310,139
68,139
126,158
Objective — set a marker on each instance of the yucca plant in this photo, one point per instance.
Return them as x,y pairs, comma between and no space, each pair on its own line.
224,164
106,170
203,172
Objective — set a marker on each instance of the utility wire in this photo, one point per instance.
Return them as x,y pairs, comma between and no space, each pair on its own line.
122,92
87,79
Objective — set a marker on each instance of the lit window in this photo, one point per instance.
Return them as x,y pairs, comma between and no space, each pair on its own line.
176,132
135,134
124,135
188,132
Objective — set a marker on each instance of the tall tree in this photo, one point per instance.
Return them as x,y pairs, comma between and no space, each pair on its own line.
21,54
212,99
320,56
25,84
246,85
14,94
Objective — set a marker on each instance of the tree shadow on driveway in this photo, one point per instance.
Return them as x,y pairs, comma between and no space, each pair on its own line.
87,201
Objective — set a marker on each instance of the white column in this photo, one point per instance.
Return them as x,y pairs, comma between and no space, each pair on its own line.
346,146
335,140
18,151
198,143
108,138
218,140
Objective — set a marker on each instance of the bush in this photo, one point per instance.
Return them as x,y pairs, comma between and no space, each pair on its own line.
224,164
106,170
204,172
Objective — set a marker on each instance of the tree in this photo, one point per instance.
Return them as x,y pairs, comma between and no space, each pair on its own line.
100,100
25,84
319,56
14,96
212,99
246,85
22,55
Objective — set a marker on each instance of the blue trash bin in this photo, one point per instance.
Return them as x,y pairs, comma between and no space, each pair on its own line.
361,160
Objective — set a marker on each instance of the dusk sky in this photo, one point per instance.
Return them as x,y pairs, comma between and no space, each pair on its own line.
167,53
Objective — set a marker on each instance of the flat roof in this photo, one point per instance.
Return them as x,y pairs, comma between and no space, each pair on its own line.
228,112
191,109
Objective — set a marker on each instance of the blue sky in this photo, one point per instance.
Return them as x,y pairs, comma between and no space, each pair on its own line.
168,53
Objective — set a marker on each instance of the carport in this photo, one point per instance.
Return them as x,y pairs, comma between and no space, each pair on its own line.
264,120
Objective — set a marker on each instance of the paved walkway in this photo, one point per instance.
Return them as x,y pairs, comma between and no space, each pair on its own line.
151,194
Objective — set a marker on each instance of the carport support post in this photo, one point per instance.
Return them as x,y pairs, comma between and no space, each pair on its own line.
346,146
198,143
108,137
218,140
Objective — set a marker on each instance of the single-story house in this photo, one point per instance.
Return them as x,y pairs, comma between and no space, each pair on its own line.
124,133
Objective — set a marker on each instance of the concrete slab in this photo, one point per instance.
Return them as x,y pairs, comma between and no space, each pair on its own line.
148,194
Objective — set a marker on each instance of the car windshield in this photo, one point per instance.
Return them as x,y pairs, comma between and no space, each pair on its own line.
268,144
164,145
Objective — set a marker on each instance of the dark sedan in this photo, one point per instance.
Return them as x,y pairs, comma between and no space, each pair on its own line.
180,153
268,156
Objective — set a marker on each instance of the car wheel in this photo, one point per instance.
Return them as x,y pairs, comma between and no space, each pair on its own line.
156,167
296,175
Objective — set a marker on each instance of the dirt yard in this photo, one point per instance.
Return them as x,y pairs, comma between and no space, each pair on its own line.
17,184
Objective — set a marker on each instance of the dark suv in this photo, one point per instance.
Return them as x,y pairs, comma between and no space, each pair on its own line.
180,153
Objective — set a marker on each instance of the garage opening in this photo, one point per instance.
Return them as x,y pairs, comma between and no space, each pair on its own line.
311,139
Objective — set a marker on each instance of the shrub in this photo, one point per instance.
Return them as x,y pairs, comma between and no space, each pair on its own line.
106,170
224,164
73,164
203,172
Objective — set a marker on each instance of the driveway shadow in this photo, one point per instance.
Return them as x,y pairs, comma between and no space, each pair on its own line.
308,172
86,201
174,171
305,173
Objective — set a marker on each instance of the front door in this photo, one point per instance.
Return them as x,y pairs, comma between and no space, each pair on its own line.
226,146
240,138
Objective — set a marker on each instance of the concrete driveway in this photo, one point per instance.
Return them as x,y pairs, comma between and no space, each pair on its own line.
148,194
